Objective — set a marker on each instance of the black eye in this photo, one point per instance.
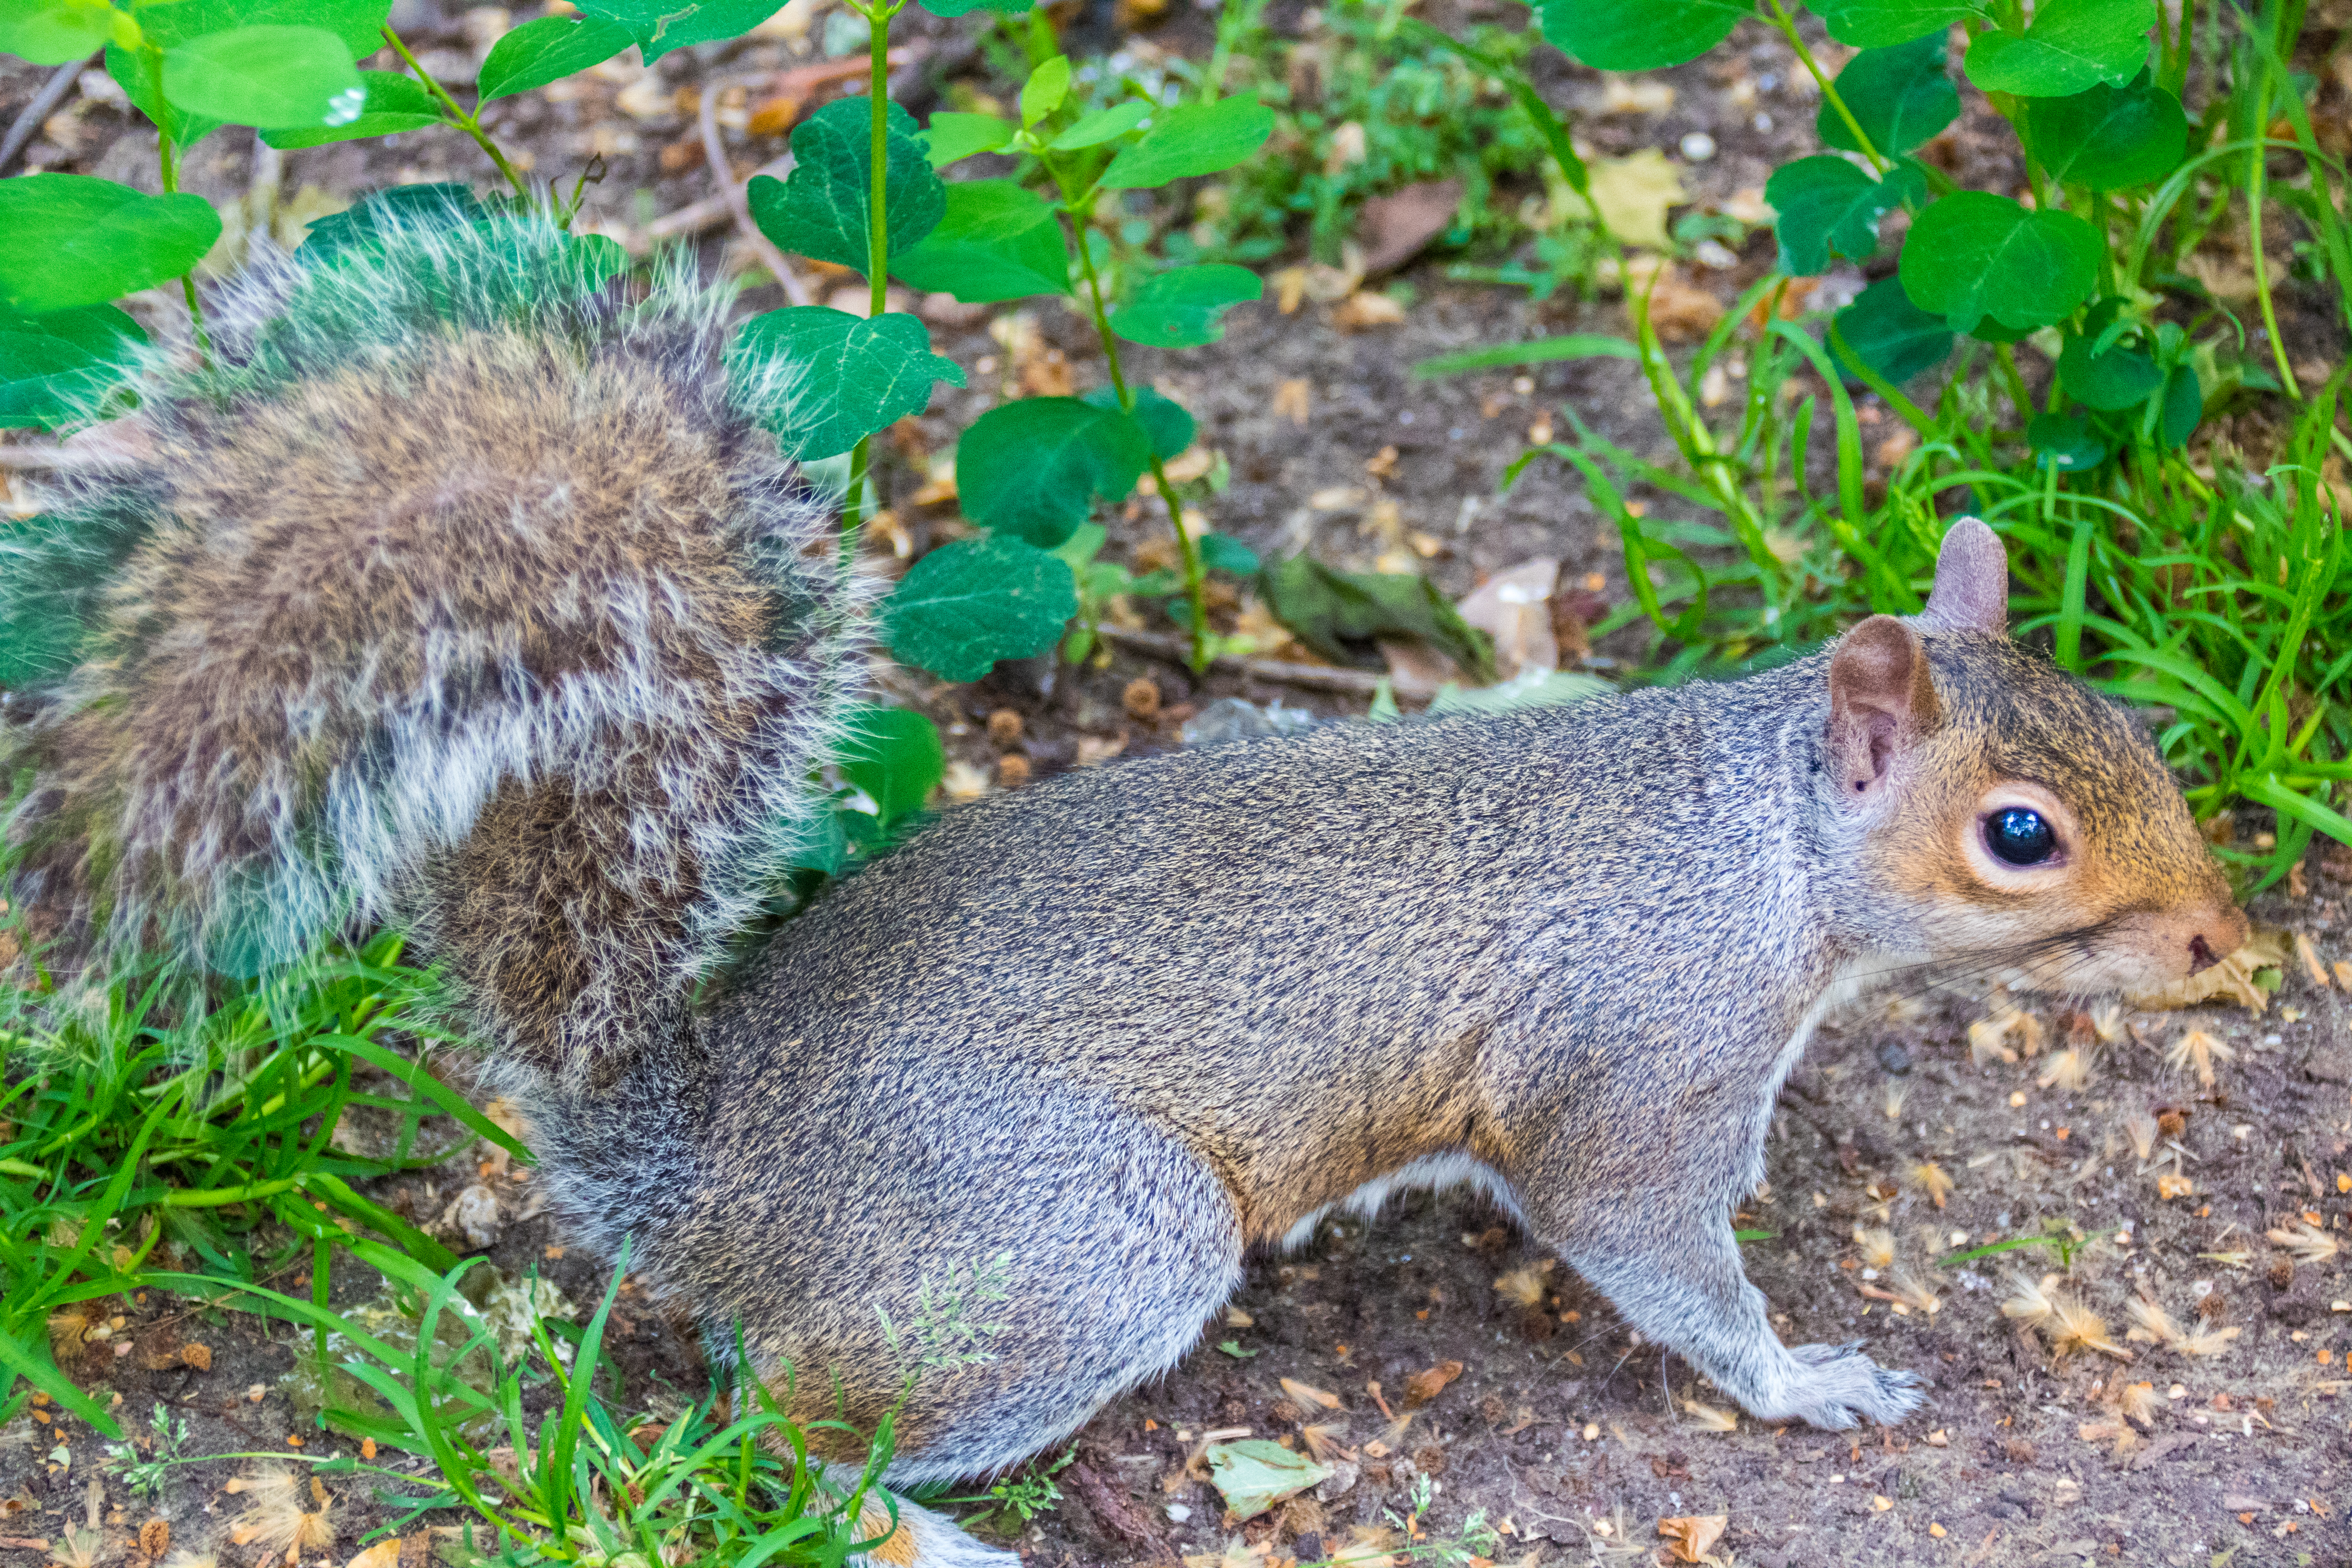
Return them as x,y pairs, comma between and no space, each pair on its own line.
2020,837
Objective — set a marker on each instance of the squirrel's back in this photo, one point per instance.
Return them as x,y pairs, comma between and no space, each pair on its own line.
457,591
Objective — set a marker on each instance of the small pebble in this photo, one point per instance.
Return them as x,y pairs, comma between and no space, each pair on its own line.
1893,1057
1698,146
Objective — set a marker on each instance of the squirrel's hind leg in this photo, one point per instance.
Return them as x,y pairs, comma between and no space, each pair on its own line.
923,1539
1681,1282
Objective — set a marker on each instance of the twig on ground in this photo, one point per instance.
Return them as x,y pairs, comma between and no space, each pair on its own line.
737,197
45,103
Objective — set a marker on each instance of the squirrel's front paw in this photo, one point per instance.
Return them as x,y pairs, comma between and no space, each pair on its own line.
1836,1385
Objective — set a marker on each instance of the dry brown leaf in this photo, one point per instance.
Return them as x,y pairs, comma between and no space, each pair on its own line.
1308,1393
1632,195
154,1538
1394,229
2232,978
1680,311
1293,399
1361,310
382,1554
1429,1382
1514,607
1691,1536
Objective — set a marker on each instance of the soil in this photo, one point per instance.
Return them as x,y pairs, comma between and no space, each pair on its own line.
1565,1433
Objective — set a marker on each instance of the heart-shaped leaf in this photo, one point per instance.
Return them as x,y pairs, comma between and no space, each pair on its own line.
549,49
2119,375
1179,309
993,241
821,209
270,76
1878,23
55,366
2109,138
1890,334
394,103
848,376
1609,34
955,137
1974,255
1032,467
2072,45
1190,139
661,26
358,23
74,240
968,604
1827,207
1899,96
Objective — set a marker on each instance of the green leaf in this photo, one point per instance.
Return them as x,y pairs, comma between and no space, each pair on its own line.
1890,334
130,74
2122,376
358,23
895,756
962,7
1103,125
1340,614
1166,424
1179,309
1043,92
661,26
955,137
820,210
1192,138
1537,351
394,103
53,366
2184,405
1900,97
1609,34
2072,45
1031,468
1877,24
270,76
74,240
2109,138
1254,1475
1223,552
2064,442
1973,255
1827,207
993,241
968,604
546,50
51,32
854,376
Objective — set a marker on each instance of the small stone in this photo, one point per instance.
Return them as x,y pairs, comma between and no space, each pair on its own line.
1893,1057
1698,146
1004,727
1013,771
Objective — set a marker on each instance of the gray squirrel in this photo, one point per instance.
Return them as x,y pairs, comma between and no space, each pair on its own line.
454,598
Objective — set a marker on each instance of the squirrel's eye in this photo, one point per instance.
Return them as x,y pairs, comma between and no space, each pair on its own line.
2020,837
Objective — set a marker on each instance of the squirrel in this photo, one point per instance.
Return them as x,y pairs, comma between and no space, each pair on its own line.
451,598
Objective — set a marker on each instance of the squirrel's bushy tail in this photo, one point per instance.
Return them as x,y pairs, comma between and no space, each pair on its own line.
458,592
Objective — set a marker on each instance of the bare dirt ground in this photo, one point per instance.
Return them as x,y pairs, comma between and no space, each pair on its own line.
1541,1411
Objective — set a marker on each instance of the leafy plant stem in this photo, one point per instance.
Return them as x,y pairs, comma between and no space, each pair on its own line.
458,116
1195,585
1788,27
168,167
1238,20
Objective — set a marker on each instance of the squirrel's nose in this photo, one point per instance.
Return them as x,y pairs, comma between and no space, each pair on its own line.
2201,954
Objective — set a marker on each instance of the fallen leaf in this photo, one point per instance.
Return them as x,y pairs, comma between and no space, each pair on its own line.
1254,1475
1632,195
1691,1536
1514,607
1394,229
154,1538
1429,1382
1680,310
1361,310
2233,977
382,1554
1292,401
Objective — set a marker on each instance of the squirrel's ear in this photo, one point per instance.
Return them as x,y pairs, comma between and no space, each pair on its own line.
1972,592
1881,701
